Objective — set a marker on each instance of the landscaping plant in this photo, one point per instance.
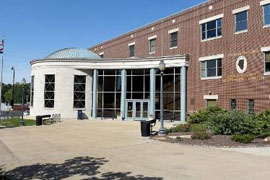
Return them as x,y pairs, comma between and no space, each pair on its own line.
245,138
204,115
232,123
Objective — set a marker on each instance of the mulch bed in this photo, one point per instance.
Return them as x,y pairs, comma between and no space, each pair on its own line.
215,141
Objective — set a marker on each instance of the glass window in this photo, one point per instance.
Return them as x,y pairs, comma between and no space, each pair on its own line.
211,29
233,104
266,14
267,62
173,39
32,91
241,21
211,68
79,91
211,102
152,44
131,51
49,91
251,105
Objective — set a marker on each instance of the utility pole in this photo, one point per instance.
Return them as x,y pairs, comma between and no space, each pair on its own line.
2,66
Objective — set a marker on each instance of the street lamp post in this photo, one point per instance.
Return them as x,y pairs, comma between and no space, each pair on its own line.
162,69
13,91
23,86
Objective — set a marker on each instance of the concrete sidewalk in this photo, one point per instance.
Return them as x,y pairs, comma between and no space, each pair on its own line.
113,149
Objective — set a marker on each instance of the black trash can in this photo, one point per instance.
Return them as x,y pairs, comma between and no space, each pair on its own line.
80,114
145,128
38,120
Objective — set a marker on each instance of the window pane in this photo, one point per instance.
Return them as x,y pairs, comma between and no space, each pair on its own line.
79,91
267,20
267,57
266,9
49,91
174,39
267,67
211,68
203,68
211,25
241,26
153,45
219,32
219,23
241,21
211,33
131,51
109,83
242,16
233,104
108,100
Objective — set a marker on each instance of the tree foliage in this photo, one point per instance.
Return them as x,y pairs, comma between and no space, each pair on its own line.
18,89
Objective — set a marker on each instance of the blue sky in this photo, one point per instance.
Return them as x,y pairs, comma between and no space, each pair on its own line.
36,28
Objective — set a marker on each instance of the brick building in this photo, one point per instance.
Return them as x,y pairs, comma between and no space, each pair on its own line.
215,53
228,48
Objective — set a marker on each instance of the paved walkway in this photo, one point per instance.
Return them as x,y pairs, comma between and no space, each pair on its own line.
115,150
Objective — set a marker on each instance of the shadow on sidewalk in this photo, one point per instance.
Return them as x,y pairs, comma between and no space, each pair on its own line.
83,166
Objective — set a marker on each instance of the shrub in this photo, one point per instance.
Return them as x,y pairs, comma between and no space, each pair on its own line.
245,138
2,174
262,124
179,128
204,115
232,122
201,135
199,127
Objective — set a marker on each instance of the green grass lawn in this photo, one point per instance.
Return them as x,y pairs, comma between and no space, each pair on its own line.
15,122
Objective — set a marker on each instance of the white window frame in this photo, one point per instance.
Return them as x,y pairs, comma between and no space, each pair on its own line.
149,41
240,10
265,50
173,31
208,58
264,3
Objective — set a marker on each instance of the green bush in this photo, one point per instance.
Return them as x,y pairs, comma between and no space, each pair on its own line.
231,123
179,128
245,138
201,135
199,127
204,115
262,124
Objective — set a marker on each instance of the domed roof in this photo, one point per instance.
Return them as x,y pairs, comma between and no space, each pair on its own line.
73,53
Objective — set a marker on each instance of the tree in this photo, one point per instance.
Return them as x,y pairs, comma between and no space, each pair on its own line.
18,88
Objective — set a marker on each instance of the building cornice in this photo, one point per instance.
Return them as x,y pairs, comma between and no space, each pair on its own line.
116,63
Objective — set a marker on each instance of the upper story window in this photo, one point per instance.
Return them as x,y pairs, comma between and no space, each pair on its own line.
266,15
267,62
49,91
211,29
211,67
79,91
173,39
152,45
132,49
241,21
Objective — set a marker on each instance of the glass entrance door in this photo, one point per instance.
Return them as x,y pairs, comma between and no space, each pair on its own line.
137,109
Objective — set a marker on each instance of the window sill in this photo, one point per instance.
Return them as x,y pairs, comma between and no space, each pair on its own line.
152,52
267,74
174,47
240,32
76,109
211,78
210,39
46,108
266,26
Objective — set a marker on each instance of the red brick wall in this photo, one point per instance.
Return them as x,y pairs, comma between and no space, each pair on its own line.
250,85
